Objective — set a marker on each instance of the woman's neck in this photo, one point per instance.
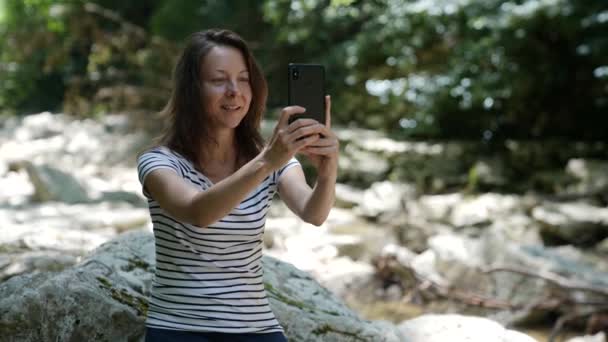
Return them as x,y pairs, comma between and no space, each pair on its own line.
222,150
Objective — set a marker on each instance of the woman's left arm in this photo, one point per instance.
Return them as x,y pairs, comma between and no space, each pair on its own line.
313,205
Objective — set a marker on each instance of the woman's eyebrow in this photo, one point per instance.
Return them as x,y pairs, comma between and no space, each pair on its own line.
225,72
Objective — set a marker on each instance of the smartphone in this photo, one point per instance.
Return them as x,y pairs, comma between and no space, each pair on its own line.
306,88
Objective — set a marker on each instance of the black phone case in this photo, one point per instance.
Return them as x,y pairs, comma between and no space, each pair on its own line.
306,88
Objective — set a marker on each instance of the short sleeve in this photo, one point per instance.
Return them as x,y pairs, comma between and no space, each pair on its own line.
291,163
153,160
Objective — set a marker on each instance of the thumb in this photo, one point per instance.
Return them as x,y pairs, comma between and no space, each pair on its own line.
287,112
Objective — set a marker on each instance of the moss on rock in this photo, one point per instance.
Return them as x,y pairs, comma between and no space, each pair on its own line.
123,296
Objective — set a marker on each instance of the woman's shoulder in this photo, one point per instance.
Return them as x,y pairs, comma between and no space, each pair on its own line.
160,150
158,154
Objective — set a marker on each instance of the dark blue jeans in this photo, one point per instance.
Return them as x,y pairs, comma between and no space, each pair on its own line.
166,335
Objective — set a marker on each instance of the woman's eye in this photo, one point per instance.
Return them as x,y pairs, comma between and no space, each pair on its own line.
217,80
244,79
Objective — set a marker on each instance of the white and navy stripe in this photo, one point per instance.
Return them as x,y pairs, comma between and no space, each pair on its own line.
209,278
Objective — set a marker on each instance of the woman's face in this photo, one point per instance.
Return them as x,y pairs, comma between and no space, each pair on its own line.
226,87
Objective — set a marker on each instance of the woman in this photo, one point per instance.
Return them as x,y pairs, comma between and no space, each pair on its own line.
209,183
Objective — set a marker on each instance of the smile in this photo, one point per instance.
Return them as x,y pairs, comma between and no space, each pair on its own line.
231,107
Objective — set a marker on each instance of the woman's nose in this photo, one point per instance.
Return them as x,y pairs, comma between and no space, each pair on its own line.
232,88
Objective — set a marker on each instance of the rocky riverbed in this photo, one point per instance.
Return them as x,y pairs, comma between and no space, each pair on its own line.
419,228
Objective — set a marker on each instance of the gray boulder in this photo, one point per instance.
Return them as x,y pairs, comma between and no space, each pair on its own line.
104,298
101,299
309,312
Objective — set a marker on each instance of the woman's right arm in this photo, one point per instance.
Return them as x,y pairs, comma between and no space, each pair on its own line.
202,208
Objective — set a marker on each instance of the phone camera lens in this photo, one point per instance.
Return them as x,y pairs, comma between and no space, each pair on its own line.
295,73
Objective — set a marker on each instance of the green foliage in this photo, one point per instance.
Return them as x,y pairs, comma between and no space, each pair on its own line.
28,66
79,57
467,69
176,20
486,69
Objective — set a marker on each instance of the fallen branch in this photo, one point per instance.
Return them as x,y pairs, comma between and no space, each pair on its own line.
553,278
391,269
587,310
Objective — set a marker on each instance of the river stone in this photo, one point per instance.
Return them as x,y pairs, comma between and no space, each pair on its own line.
40,126
17,188
109,288
52,184
599,337
385,199
436,208
441,328
347,196
483,209
575,223
602,247
488,174
592,175
361,167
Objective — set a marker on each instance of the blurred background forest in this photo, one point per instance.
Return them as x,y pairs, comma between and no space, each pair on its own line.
474,134
483,70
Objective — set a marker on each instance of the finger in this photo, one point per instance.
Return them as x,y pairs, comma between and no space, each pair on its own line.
328,141
321,151
300,123
327,132
287,112
315,129
325,142
299,144
304,152
328,111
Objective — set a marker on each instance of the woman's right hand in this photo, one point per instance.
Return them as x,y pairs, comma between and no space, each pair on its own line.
288,139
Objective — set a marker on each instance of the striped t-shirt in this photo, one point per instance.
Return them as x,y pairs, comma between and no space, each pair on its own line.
209,278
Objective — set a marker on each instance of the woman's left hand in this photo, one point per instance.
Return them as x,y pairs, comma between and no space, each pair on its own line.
323,154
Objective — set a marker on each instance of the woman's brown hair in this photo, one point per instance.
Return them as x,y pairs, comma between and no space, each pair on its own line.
185,120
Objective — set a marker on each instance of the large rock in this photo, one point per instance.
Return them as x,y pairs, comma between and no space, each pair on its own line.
104,298
101,299
308,312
